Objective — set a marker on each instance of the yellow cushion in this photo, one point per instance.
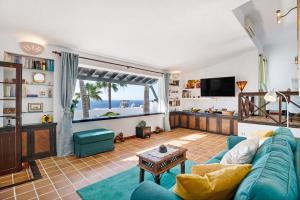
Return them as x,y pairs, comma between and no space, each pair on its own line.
262,134
211,181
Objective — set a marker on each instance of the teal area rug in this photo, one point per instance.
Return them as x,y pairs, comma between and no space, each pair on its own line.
120,186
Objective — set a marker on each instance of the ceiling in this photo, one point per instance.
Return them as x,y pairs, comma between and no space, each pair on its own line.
165,34
263,17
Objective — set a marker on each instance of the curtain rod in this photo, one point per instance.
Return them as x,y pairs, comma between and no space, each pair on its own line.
102,61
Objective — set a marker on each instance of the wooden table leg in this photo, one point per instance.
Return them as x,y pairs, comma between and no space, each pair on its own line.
142,174
182,167
157,179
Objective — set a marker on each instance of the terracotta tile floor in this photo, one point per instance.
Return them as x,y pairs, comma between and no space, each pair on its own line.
19,177
62,176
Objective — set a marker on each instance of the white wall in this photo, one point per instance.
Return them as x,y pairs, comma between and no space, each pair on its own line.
10,43
281,65
245,129
125,125
243,67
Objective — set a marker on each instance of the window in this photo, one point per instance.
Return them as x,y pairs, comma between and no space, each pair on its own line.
113,94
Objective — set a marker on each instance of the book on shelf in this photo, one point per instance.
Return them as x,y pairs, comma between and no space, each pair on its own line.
30,62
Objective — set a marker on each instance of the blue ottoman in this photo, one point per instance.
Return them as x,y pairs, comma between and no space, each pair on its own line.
87,143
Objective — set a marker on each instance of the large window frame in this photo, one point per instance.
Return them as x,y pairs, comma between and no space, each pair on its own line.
120,78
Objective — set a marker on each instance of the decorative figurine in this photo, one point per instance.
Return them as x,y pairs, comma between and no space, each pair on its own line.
119,138
158,130
162,149
46,119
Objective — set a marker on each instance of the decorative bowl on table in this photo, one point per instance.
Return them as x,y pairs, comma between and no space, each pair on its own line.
162,149
227,113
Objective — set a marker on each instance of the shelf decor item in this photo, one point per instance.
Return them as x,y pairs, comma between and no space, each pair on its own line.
35,107
241,85
50,93
193,84
46,119
9,110
38,77
42,94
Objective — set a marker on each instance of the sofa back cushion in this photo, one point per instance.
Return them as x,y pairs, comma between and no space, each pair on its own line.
274,144
297,163
285,133
273,177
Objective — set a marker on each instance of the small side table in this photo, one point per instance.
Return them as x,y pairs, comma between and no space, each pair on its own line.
158,165
143,132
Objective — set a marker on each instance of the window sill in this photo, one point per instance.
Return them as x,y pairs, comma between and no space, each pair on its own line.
117,117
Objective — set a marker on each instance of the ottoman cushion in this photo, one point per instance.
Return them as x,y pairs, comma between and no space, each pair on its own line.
91,136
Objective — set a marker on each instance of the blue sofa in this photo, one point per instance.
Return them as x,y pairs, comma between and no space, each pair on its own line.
274,175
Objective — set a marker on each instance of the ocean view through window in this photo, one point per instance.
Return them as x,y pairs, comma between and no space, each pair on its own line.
100,99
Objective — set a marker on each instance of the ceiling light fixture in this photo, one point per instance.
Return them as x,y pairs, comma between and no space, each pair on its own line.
280,16
32,48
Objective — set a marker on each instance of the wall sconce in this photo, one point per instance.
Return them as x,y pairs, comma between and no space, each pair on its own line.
296,60
31,48
280,16
241,85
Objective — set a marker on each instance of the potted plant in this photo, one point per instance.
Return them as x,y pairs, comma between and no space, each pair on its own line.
74,103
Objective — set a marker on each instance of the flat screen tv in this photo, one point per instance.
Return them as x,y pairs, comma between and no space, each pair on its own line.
218,87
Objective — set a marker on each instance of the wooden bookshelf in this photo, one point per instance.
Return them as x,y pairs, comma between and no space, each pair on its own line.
43,91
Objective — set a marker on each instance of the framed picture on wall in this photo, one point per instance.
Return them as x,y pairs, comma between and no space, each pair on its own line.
35,107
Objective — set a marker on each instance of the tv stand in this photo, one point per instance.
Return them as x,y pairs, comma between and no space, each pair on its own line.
208,122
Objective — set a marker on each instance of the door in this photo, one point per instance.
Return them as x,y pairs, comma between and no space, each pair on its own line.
184,120
172,120
192,121
176,120
202,123
10,120
212,124
226,125
43,141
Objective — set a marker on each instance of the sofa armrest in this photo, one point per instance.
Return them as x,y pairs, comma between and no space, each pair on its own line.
151,191
234,140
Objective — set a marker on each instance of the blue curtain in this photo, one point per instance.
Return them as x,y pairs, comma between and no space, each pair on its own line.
262,81
69,65
166,78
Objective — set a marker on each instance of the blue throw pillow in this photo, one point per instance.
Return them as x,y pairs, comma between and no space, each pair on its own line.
286,134
234,140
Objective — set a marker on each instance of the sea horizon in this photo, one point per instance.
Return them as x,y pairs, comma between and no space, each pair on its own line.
114,104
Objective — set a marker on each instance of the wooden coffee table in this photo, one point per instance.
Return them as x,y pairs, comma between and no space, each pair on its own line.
157,163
